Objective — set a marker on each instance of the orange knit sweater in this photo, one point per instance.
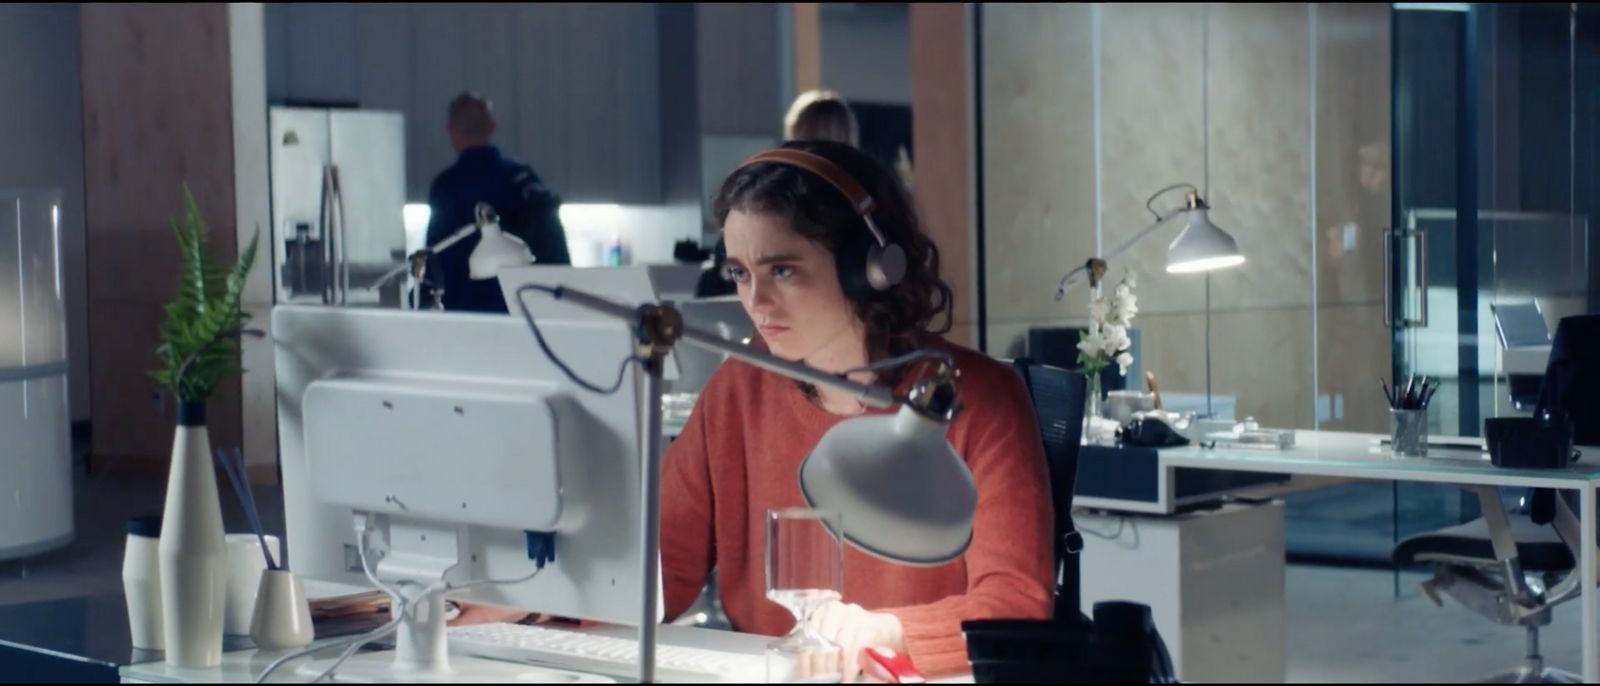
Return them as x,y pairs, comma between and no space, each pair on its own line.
738,457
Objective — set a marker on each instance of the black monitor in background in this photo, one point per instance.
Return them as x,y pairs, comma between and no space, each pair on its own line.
1572,379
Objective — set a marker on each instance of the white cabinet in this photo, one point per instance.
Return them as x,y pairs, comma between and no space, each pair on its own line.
1214,581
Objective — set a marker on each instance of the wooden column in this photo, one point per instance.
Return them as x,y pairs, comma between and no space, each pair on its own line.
807,46
156,114
941,97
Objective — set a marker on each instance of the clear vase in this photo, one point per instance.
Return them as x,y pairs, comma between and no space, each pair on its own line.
1093,396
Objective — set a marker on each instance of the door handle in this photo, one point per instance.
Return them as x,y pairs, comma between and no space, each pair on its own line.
343,264
1388,278
325,231
1422,269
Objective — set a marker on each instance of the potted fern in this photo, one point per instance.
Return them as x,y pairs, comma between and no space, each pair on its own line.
199,349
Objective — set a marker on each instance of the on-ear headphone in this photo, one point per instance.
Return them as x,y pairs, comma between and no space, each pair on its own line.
867,263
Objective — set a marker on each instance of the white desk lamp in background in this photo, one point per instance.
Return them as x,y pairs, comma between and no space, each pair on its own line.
1201,247
903,492
496,249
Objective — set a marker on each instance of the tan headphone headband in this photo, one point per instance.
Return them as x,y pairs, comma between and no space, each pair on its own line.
835,175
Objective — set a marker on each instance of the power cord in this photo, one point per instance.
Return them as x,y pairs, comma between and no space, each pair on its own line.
527,315
398,601
908,358
406,607
1123,522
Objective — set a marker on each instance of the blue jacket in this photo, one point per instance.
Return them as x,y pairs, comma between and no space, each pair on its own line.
527,210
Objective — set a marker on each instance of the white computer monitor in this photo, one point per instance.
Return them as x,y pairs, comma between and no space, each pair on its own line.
462,435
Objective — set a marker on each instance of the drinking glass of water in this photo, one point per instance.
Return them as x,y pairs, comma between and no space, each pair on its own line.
805,570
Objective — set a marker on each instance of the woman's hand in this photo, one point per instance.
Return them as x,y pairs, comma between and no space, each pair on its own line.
479,613
852,628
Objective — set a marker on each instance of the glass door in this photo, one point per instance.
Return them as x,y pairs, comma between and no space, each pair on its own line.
1493,201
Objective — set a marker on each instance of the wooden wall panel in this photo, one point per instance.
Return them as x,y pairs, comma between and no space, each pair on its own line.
157,114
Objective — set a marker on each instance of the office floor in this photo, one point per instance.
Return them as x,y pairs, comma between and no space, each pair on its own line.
102,506
1344,625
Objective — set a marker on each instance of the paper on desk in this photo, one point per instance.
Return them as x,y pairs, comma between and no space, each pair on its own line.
330,600
317,589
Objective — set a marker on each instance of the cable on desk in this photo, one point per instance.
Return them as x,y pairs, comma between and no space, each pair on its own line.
406,607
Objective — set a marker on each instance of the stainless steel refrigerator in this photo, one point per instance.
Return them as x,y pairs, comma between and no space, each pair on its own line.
338,194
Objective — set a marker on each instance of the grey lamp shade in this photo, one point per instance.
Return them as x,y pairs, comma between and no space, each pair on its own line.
902,492
1202,247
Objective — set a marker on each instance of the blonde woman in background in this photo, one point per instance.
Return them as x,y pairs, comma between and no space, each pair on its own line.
821,115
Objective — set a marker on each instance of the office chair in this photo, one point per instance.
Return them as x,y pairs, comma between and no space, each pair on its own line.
1485,564
1058,401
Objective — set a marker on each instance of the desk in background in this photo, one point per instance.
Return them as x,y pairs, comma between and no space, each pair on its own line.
1360,456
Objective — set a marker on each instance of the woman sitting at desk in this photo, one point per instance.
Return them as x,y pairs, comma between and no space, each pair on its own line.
738,455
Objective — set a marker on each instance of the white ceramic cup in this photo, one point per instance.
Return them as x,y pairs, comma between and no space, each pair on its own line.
1122,405
245,565
141,582
282,617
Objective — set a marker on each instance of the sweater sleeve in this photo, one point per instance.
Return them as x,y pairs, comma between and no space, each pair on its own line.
1009,563
687,551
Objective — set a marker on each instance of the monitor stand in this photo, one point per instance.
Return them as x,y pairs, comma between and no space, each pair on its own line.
421,656
416,566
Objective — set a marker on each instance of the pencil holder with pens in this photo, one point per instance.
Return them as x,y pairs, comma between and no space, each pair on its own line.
1408,415
1408,432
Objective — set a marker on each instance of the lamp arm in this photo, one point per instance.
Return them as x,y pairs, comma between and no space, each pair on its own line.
871,395
1149,203
1071,279
436,248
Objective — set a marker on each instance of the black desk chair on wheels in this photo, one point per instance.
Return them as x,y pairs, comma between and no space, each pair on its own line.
1514,568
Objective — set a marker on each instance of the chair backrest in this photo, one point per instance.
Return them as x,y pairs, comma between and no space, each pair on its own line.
1571,389
1058,401
1572,378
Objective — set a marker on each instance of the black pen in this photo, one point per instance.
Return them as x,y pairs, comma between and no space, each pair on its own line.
1387,394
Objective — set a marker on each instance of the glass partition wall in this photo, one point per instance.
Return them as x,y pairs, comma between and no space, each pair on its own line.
1342,145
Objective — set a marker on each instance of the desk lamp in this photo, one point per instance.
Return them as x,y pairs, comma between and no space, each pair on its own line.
1201,247
903,492
496,249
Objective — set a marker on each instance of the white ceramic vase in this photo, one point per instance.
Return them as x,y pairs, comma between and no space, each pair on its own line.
194,562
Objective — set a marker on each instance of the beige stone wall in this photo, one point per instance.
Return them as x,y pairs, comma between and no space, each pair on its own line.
1306,196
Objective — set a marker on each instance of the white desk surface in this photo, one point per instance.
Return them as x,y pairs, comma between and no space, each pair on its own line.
1360,456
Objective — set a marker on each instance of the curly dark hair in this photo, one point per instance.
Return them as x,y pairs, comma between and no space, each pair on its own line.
895,319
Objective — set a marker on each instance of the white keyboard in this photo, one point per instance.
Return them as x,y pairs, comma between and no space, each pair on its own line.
586,651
